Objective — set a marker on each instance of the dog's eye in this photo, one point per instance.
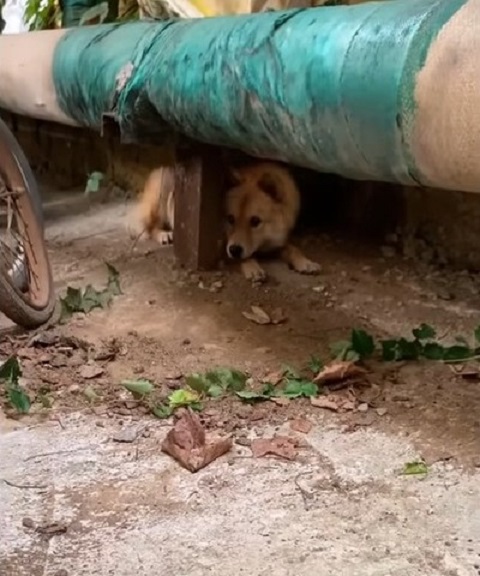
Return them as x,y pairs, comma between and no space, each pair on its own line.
231,219
255,221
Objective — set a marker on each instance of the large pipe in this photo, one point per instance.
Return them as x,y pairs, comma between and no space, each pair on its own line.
382,90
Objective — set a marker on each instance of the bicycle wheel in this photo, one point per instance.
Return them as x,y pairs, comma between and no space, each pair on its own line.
27,293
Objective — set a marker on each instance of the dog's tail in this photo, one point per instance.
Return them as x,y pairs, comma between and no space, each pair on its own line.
155,210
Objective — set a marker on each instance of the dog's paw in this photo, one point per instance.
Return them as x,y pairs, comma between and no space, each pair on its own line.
164,237
253,271
306,266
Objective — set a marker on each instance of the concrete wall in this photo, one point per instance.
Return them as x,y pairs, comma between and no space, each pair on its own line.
433,225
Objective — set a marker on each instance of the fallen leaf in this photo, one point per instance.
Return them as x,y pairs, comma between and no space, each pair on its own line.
257,315
301,425
415,468
90,371
334,402
189,446
338,370
273,378
280,446
140,387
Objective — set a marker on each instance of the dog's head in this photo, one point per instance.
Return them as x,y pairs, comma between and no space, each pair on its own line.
255,213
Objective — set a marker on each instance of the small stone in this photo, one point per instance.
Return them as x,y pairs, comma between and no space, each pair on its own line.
319,289
28,523
362,407
73,389
99,424
90,371
216,286
382,411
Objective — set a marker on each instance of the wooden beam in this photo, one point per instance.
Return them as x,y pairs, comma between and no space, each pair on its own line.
198,235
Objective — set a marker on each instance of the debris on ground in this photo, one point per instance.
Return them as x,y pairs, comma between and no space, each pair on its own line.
85,300
301,425
334,402
259,316
188,444
339,371
279,446
90,371
418,468
128,434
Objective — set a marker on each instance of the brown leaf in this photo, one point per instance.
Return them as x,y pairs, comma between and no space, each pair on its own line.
257,315
301,425
334,402
338,370
189,446
273,378
280,446
90,371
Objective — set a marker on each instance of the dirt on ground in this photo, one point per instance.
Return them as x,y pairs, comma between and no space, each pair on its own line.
169,323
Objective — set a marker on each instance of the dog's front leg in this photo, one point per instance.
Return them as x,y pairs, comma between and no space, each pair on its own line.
297,260
253,271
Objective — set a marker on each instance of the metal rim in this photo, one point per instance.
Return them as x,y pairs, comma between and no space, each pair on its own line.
25,264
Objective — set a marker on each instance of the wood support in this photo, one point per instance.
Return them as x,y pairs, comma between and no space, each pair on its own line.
199,211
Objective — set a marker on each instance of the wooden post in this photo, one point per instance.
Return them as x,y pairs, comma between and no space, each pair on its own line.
198,234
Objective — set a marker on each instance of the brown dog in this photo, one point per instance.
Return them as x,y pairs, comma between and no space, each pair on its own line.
262,210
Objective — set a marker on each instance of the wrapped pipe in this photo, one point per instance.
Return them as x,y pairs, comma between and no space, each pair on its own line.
382,90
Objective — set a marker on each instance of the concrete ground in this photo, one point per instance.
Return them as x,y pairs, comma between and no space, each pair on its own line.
74,501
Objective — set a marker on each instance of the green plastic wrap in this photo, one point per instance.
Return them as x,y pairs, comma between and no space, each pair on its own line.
328,88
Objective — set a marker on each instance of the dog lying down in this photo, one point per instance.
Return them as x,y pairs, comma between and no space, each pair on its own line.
262,209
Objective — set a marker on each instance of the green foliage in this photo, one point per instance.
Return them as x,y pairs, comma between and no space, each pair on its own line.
10,374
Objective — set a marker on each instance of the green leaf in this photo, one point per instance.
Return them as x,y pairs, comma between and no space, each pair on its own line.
73,299
198,382
415,468
252,396
90,394
457,353
389,350
19,399
424,332
91,299
182,397
161,411
477,334
433,351
215,391
290,372
300,388
95,178
140,387
315,364
362,343
408,350
10,370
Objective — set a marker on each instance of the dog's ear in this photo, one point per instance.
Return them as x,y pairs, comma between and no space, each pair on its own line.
268,184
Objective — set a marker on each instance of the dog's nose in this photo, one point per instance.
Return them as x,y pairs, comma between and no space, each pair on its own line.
235,251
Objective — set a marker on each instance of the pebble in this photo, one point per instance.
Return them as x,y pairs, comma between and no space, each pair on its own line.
362,407
74,388
382,411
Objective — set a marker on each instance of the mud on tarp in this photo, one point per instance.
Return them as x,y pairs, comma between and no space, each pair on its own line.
327,88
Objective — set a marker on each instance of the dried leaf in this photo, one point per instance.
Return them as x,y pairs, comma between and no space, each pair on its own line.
279,446
257,315
273,378
189,446
337,371
334,402
301,425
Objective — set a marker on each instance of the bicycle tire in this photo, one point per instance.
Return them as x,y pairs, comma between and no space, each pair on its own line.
24,166
16,170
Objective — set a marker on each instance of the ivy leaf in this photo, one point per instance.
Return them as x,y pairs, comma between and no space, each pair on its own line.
389,350
424,332
457,353
140,387
183,397
299,388
415,468
362,343
433,351
19,399
315,365
10,370
113,281
161,411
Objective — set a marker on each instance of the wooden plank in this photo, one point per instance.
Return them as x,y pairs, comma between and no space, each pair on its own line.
198,234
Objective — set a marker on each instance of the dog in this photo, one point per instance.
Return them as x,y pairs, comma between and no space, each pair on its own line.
262,208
